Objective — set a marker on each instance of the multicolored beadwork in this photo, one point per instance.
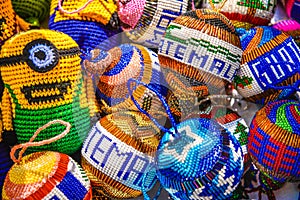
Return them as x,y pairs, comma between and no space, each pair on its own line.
31,10
246,14
5,163
291,27
43,81
93,26
118,154
47,175
269,68
274,140
127,61
199,54
292,8
202,160
156,16
10,23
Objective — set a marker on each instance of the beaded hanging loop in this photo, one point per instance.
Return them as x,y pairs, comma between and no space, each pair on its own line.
24,146
212,5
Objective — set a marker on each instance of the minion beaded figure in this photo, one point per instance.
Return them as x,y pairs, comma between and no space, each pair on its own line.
89,23
246,14
47,174
274,143
269,68
32,11
10,22
199,55
42,77
118,154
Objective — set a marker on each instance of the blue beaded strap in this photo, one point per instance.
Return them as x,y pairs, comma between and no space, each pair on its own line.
161,98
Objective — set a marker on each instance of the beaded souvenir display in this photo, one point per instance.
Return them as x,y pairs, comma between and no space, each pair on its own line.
32,11
5,163
130,12
45,175
199,54
10,22
274,140
89,23
292,8
118,154
116,67
157,15
246,14
269,68
43,81
204,161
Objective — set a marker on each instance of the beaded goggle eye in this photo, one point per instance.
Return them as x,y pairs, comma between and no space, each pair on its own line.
41,55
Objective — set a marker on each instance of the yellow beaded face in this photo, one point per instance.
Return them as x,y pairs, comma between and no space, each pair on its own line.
41,68
97,11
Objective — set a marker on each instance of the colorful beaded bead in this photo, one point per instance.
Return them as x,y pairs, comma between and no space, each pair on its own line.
246,14
202,160
274,140
292,8
199,54
5,163
32,11
10,23
118,154
47,175
90,27
43,81
156,16
269,68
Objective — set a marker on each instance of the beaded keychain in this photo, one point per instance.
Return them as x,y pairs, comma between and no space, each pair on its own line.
196,158
47,174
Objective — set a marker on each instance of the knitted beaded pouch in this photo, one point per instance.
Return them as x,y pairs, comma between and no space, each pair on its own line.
116,67
292,8
246,14
89,23
46,175
156,16
197,158
269,68
199,54
5,163
274,140
10,23
118,154
32,11
43,81
130,12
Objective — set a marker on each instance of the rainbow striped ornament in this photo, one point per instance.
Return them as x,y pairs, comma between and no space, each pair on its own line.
47,175
201,161
274,140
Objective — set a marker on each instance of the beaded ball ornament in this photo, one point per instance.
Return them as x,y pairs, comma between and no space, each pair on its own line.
269,68
43,81
118,154
130,12
89,23
116,67
157,15
5,163
274,140
201,161
199,54
292,8
32,11
47,175
246,14
10,22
